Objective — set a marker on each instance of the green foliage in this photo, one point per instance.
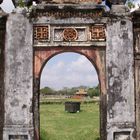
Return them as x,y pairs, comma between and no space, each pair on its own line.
62,101
70,91
67,91
95,91
21,3
56,124
47,90
130,4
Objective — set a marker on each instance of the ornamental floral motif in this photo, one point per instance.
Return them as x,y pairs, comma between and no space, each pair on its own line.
41,33
97,32
70,34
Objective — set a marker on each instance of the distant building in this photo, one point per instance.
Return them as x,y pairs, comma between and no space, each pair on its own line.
81,93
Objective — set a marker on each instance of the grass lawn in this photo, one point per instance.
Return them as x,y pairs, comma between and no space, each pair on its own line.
56,124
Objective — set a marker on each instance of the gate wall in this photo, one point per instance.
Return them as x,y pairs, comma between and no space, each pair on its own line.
18,122
19,74
120,83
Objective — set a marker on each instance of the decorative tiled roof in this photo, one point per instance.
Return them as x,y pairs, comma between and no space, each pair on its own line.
44,2
81,91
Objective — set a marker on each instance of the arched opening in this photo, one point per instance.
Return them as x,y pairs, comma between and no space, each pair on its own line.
68,63
69,77
95,55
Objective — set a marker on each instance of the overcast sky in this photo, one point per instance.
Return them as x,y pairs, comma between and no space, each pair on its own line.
68,70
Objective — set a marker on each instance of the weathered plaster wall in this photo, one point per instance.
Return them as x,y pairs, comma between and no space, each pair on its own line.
18,75
2,43
137,70
120,75
18,78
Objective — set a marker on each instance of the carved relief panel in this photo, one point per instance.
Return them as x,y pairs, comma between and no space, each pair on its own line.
41,33
68,34
51,35
97,33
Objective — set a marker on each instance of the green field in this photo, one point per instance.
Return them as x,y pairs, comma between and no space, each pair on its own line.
56,124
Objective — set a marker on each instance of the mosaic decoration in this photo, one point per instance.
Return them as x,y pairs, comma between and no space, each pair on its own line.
97,32
70,34
41,33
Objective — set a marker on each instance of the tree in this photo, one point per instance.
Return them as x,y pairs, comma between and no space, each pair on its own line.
95,91
47,90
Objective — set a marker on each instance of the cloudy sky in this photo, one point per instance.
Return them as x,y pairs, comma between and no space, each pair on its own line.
68,70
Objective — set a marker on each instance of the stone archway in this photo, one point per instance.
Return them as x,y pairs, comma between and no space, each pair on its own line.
95,55
41,34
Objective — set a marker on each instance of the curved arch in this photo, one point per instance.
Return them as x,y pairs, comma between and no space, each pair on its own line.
67,63
95,55
46,61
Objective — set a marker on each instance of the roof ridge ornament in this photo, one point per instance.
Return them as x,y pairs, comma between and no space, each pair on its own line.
88,2
30,2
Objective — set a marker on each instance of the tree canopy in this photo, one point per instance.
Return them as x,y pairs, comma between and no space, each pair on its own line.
91,91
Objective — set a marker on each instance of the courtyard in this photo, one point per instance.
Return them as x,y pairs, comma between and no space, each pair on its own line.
56,124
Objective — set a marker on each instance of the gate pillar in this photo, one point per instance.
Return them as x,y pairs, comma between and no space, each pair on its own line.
120,80
18,78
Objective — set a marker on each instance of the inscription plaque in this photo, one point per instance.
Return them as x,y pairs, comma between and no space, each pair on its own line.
122,135
18,137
